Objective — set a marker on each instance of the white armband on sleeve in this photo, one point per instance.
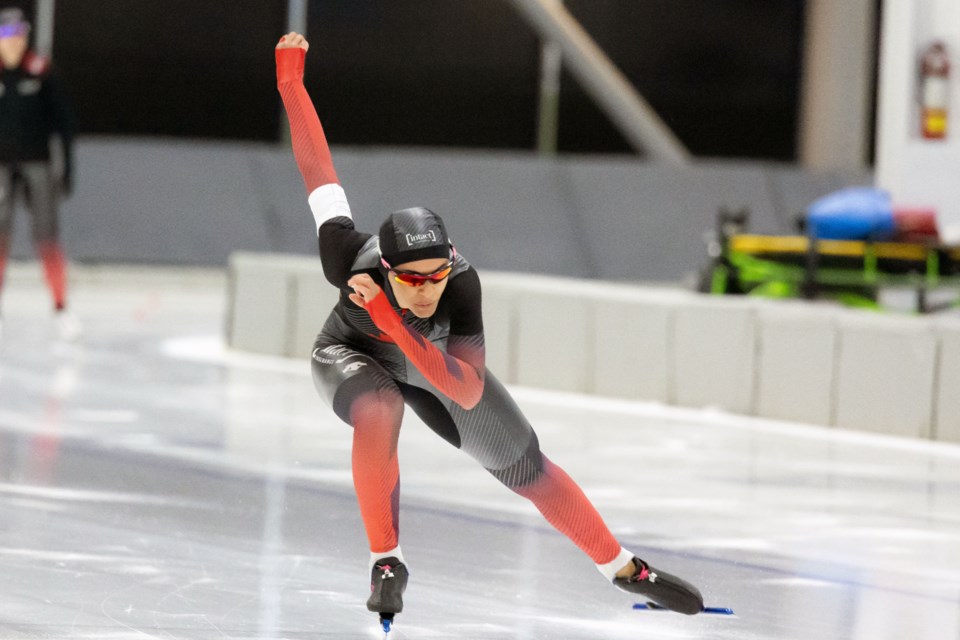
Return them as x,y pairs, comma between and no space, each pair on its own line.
328,201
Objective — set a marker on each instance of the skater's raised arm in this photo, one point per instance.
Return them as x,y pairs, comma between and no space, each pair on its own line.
310,148
338,240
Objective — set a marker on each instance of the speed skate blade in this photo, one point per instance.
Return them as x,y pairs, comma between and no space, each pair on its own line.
386,623
653,606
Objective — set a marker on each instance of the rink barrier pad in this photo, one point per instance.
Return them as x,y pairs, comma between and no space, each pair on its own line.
713,347
630,346
885,365
947,399
796,344
786,360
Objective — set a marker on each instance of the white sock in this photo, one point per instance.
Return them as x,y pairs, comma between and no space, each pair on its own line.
392,553
610,569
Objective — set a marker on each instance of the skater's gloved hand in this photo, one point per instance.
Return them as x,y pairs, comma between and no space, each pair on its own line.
290,53
364,289
292,40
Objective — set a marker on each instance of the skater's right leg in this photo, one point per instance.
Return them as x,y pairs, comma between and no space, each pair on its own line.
375,416
367,398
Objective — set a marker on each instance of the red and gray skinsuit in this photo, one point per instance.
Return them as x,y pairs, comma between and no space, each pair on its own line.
32,109
368,363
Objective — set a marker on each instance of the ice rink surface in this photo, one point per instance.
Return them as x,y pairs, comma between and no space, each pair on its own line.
154,485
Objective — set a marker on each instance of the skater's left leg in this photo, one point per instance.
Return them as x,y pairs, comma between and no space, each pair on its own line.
564,505
497,434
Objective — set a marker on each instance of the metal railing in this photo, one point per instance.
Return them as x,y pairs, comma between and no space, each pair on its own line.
603,81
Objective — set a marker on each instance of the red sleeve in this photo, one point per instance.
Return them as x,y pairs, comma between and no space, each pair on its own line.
455,378
309,142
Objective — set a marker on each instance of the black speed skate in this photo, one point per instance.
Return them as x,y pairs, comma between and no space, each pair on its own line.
388,580
664,589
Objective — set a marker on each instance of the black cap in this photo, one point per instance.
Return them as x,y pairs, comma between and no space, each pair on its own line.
413,234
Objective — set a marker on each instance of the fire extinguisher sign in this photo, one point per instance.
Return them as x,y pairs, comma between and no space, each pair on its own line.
934,91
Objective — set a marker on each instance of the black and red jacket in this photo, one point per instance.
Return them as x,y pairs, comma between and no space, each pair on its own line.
33,108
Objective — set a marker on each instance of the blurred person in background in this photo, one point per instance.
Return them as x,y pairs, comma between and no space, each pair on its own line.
408,331
33,109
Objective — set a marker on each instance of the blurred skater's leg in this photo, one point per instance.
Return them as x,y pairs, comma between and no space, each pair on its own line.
6,223
42,201
42,196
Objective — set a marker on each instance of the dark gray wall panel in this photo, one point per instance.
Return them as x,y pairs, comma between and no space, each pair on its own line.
594,217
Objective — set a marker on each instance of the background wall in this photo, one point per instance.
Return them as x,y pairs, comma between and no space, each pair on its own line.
380,75
724,74
600,217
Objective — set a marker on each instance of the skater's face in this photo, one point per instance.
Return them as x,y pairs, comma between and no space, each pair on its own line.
422,300
12,49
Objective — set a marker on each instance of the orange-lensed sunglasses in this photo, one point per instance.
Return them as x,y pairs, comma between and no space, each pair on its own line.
414,279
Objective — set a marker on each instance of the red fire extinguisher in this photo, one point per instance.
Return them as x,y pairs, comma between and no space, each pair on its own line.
934,91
